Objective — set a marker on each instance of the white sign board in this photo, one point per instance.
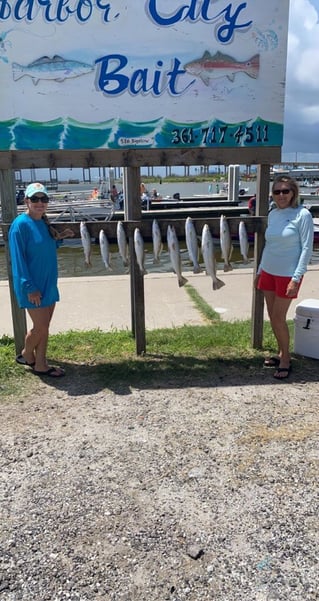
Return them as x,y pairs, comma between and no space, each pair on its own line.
90,74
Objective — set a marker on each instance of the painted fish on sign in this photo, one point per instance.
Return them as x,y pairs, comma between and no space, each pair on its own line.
56,68
210,67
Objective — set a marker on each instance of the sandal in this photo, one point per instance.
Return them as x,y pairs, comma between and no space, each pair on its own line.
52,372
22,361
282,370
272,362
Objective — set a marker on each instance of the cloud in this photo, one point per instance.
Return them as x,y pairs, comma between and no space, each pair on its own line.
301,132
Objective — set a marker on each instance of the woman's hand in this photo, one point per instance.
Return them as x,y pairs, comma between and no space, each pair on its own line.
256,280
292,288
35,298
66,233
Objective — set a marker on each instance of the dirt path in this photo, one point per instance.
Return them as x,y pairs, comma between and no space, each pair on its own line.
180,493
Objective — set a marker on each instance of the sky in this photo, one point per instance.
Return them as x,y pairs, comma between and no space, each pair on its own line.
301,122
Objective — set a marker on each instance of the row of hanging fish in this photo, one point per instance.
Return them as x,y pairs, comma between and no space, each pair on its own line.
207,249
194,244
104,245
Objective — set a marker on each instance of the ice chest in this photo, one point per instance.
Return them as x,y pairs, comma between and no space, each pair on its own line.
306,339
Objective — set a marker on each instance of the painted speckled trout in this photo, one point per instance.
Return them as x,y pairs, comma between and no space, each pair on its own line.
56,68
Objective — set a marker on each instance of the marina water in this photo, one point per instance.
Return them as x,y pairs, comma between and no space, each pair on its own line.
71,257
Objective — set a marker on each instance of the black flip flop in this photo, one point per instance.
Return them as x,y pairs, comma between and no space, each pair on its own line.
272,362
22,361
282,370
52,372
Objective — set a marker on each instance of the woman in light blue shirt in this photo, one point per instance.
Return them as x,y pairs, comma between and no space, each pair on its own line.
33,245
287,252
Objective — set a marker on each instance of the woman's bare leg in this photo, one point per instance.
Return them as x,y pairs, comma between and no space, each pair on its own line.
277,308
36,340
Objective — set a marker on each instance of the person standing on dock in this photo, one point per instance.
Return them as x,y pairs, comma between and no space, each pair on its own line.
287,252
33,248
142,188
95,194
155,195
252,205
114,193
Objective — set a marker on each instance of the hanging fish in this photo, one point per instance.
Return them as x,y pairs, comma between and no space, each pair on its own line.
243,241
174,253
122,243
225,243
157,241
139,250
86,243
192,244
105,249
209,257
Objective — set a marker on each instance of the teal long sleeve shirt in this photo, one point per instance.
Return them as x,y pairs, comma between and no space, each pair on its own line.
34,261
289,242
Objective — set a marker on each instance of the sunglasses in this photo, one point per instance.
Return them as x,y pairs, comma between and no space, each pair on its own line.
285,191
35,199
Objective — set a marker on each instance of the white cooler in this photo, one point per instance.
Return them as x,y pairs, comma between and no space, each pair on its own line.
307,328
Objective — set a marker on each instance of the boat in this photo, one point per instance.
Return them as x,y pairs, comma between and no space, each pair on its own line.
312,185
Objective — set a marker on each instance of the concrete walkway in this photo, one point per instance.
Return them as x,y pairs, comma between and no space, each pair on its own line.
104,302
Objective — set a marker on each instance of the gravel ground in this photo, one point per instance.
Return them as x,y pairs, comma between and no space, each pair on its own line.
160,493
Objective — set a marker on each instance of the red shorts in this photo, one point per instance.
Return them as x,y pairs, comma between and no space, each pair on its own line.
275,283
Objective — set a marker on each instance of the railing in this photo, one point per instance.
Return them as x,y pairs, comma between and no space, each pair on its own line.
73,209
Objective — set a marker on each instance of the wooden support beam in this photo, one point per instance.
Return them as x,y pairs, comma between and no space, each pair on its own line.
9,211
253,225
262,206
133,211
168,157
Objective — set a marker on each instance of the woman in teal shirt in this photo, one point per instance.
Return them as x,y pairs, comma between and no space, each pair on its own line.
33,249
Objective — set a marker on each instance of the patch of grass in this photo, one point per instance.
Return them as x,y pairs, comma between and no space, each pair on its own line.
173,355
203,307
13,378
92,346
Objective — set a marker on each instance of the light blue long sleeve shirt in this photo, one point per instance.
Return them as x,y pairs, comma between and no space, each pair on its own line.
289,242
34,261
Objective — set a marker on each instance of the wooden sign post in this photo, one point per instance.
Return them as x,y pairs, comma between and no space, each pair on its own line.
9,211
133,212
